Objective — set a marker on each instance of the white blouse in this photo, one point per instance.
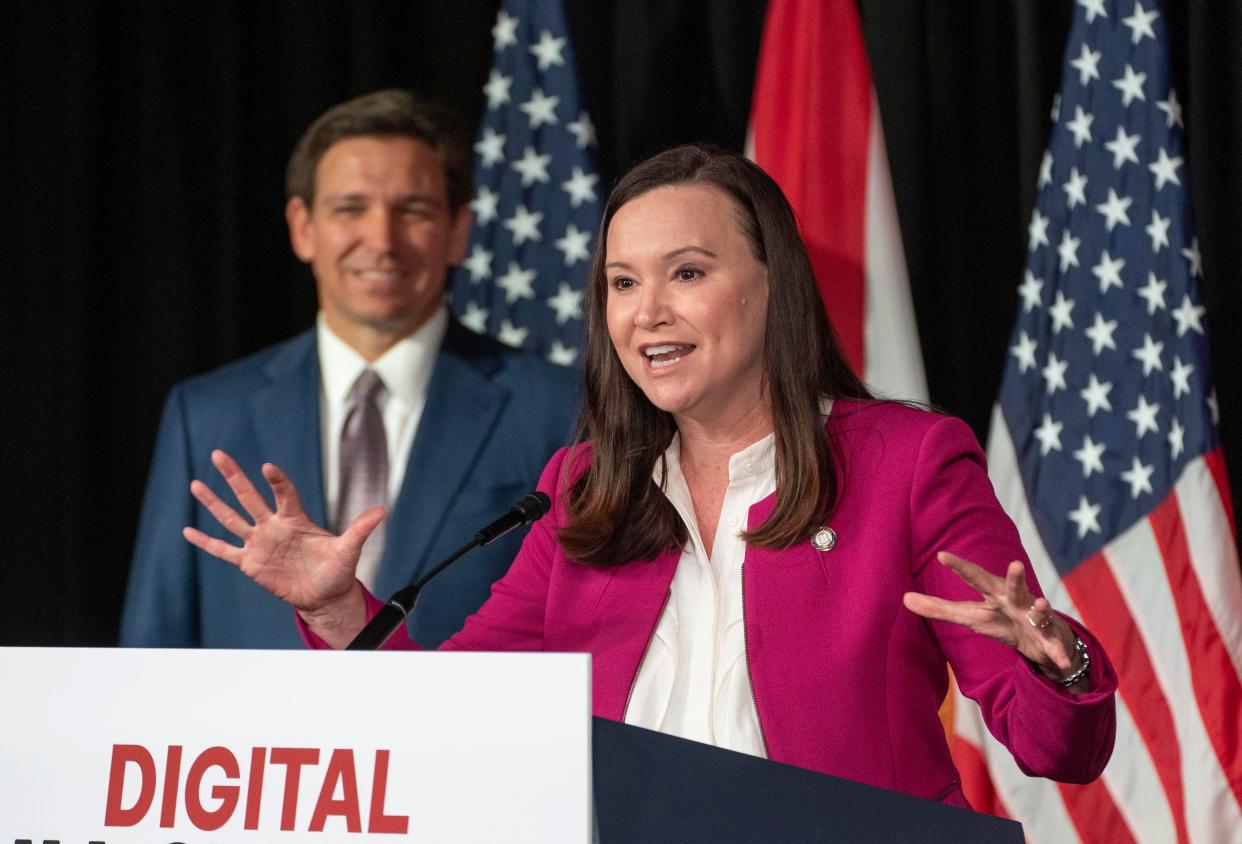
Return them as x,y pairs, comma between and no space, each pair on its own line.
694,681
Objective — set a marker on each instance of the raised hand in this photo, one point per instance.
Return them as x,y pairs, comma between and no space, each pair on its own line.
282,550
1008,613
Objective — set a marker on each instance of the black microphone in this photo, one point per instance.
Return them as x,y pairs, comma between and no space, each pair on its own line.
378,630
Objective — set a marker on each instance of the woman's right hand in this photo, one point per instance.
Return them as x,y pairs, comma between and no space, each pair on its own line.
284,551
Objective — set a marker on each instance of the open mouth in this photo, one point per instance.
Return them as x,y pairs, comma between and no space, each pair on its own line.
378,275
667,354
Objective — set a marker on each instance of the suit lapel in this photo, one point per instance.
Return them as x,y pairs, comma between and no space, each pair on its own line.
287,424
457,421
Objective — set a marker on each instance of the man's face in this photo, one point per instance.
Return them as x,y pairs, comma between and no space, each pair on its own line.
379,238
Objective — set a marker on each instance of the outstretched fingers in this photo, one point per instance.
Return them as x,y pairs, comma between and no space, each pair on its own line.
361,527
249,498
288,501
223,513
215,547
965,613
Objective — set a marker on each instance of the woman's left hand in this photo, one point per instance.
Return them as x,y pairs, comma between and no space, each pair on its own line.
1008,613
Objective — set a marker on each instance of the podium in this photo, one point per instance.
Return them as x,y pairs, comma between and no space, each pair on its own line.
107,745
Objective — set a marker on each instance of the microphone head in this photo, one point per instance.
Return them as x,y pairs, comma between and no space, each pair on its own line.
533,507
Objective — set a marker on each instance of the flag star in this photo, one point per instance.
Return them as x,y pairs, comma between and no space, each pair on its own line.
504,31
561,354
1180,375
1045,169
533,167
1172,108
1192,255
1153,292
1089,456
1060,313
491,146
1029,290
1087,64
517,283
475,318
479,264
1024,351
1149,353
1165,169
567,303
497,89
1140,23
1101,333
541,109
583,130
1093,7
1086,516
1108,271
1054,373
1037,230
1188,316
1177,439
1114,210
1068,250
548,51
524,225
485,205
1075,189
1144,417
1095,394
1213,407
1080,127
1131,86
574,245
1049,435
1139,477
1122,147
580,187
512,335
1158,230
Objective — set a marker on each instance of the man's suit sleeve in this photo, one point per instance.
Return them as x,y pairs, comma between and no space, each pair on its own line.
161,601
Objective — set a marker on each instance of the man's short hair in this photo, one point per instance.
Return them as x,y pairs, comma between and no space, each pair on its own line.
389,113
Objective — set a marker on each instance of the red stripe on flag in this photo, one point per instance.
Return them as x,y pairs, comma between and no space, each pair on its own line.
1094,813
816,148
1215,460
977,784
1095,592
1218,689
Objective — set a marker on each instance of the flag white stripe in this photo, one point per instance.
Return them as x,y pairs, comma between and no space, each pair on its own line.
1213,553
1131,775
1130,557
894,360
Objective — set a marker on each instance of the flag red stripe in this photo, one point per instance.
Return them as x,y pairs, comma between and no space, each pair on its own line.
1094,813
1098,597
1217,687
817,151
1215,460
977,784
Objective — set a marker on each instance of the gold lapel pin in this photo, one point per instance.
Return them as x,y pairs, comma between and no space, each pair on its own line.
824,539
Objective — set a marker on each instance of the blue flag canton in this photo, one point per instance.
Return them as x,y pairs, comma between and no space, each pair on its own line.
1107,391
537,201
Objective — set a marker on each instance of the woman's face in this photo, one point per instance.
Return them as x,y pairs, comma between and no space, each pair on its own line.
687,302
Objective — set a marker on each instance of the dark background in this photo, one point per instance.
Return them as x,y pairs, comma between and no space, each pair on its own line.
141,205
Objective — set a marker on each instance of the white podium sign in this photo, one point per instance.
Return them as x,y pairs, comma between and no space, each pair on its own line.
111,746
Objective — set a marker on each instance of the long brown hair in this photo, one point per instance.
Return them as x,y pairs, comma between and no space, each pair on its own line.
615,510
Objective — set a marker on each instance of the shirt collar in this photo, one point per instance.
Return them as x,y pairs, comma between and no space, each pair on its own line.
405,368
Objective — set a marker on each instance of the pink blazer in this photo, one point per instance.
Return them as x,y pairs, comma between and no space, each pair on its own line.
846,680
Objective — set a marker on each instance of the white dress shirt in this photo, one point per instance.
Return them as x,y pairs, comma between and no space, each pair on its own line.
405,370
694,681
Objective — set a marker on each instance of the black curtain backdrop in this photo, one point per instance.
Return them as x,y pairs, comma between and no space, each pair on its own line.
143,146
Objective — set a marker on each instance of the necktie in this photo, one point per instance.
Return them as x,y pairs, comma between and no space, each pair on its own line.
364,468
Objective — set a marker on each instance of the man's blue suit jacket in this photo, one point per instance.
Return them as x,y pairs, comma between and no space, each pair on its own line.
492,419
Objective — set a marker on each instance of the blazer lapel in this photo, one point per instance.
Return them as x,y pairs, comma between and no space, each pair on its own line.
458,419
286,421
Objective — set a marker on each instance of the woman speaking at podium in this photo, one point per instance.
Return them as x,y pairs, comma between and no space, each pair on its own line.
757,553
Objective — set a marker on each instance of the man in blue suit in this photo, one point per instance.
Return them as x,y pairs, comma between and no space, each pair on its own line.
378,192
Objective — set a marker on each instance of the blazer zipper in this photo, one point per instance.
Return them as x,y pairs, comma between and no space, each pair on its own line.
634,683
763,739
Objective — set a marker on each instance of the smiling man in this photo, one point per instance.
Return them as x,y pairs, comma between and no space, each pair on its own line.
385,401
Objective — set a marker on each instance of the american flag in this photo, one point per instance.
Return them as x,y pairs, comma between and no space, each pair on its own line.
1104,450
537,199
